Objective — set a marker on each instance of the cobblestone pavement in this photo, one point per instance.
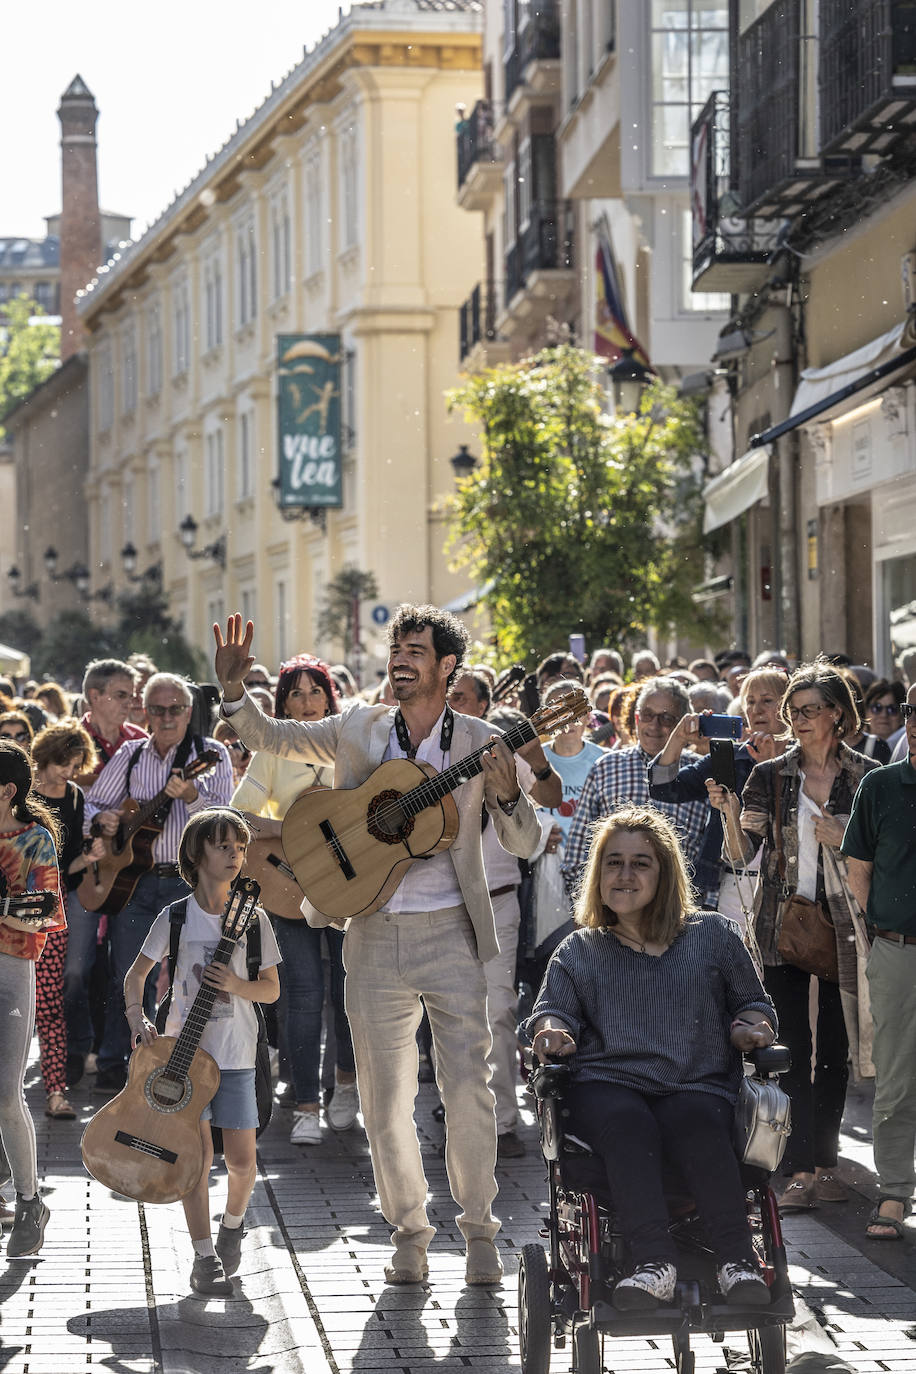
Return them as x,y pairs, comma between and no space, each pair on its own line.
109,1289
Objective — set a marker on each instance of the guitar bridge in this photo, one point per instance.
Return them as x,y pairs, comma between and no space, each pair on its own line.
340,854
146,1147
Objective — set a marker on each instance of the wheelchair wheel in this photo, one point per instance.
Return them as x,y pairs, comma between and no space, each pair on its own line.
534,1310
768,1349
586,1350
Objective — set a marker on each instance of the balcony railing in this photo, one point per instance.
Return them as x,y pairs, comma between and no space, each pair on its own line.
477,319
475,140
867,74
538,41
730,251
782,170
547,243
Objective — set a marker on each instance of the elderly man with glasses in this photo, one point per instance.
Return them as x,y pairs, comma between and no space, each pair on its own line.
621,775
141,769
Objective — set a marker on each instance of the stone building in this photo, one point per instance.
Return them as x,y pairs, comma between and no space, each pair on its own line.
329,211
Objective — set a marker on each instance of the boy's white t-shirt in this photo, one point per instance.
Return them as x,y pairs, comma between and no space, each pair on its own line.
231,1033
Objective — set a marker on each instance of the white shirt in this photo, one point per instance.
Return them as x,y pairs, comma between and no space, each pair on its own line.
429,884
808,812
231,1034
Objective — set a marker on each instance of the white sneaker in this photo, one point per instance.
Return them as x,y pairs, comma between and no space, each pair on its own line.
743,1283
91,1063
647,1286
344,1106
306,1129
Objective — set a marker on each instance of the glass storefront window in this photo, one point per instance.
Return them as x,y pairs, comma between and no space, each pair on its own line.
689,48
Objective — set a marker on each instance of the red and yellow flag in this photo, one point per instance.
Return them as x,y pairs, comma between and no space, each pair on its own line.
612,330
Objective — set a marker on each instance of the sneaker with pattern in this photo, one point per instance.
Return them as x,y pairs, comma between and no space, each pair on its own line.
648,1285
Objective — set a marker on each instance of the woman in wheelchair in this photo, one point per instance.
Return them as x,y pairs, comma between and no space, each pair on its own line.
655,1001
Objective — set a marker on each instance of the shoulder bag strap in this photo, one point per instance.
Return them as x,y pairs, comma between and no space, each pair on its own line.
178,912
777,824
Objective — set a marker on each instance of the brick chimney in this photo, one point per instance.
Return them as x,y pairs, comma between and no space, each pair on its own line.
80,220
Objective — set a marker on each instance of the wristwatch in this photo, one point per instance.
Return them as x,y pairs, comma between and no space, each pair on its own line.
507,807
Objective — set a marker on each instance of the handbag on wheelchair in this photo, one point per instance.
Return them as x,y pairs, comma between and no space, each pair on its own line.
763,1112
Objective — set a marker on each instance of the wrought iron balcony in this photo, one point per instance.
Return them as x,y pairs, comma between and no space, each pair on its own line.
867,74
475,141
547,243
730,251
477,319
538,41
782,172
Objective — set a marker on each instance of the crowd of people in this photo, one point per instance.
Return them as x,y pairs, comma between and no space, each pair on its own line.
562,848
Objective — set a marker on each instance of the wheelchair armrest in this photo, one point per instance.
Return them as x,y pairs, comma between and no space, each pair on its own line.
775,1059
549,1080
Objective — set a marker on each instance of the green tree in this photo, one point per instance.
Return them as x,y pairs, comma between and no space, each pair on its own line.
343,597
28,353
69,641
145,626
576,520
20,630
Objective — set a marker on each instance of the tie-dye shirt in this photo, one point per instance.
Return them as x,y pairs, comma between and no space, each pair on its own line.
28,863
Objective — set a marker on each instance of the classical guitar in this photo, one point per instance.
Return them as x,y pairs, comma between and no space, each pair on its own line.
32,908
350,848
109,885
145,1143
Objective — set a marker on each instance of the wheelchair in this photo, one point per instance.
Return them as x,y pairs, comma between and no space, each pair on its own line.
566,1295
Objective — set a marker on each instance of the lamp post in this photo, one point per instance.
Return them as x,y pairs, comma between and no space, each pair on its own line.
129,558
83,581
463,462
628,379
51,560
187,531
16,587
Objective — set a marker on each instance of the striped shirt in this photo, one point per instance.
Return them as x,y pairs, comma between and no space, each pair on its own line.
148,777
657,1024
620,776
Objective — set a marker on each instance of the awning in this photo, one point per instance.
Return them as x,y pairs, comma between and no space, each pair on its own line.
13,661
735,490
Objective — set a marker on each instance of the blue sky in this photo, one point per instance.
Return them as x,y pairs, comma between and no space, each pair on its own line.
169,80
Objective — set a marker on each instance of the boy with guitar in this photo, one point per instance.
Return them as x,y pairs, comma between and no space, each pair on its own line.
210,858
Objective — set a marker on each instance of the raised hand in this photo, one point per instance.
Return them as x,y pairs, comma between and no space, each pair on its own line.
233,656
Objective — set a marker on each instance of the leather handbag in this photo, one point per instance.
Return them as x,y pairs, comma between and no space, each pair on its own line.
763,1122
805,934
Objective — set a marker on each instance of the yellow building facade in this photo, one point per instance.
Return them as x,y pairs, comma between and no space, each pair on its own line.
331,209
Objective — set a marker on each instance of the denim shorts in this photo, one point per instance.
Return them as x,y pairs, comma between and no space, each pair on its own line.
235,1106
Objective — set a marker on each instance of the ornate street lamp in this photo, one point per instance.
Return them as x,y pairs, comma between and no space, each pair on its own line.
187,531
463,462
628,379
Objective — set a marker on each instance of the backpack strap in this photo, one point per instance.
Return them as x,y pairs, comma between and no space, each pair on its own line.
253,949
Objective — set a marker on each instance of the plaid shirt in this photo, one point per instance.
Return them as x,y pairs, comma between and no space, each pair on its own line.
619,776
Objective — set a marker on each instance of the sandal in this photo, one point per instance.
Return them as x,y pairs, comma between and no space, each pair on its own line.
876,1219
59,1108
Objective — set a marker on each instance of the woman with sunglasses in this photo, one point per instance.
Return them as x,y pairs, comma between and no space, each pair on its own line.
15,725
806,794
305,692
883,700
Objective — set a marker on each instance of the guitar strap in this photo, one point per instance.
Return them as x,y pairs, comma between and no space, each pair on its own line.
178,913
445,737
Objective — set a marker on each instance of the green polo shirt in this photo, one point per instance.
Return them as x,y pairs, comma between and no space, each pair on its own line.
882,831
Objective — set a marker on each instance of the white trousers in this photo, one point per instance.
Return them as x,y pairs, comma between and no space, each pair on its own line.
393,961
502,1011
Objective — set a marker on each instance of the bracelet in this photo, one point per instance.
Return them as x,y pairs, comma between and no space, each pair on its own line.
544,773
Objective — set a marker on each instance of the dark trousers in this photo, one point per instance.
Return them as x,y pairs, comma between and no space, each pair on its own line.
634,1134
302,984
818,1099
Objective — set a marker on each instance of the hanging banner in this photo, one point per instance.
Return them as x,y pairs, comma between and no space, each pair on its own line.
308,419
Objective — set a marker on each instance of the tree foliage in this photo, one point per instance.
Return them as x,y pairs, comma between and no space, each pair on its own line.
575,520
145,627
337,619
29,353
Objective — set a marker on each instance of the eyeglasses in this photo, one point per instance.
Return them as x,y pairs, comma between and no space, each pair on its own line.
809,712
19,737
158,711
891,709
119,696
664,718
907,710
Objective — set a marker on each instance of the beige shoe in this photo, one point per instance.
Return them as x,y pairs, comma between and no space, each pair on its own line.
483,1263
829,1188
408,1264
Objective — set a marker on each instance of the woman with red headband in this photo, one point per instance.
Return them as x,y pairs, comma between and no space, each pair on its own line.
305,691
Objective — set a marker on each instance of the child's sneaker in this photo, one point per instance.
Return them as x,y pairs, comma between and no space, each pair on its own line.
209,1278
646,1287
28,1233
229,1247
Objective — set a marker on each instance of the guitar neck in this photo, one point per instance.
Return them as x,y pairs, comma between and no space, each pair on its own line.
432,790
199,1015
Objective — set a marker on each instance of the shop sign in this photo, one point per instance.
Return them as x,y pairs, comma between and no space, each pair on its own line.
308,419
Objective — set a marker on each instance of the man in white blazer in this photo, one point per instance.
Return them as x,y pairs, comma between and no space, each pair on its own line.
431,938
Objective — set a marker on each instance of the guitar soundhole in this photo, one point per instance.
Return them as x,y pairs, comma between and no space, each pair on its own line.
166,1092
387,821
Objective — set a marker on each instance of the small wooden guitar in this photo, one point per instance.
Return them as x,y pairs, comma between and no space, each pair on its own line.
145,1143
349,848
32,908
109,885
